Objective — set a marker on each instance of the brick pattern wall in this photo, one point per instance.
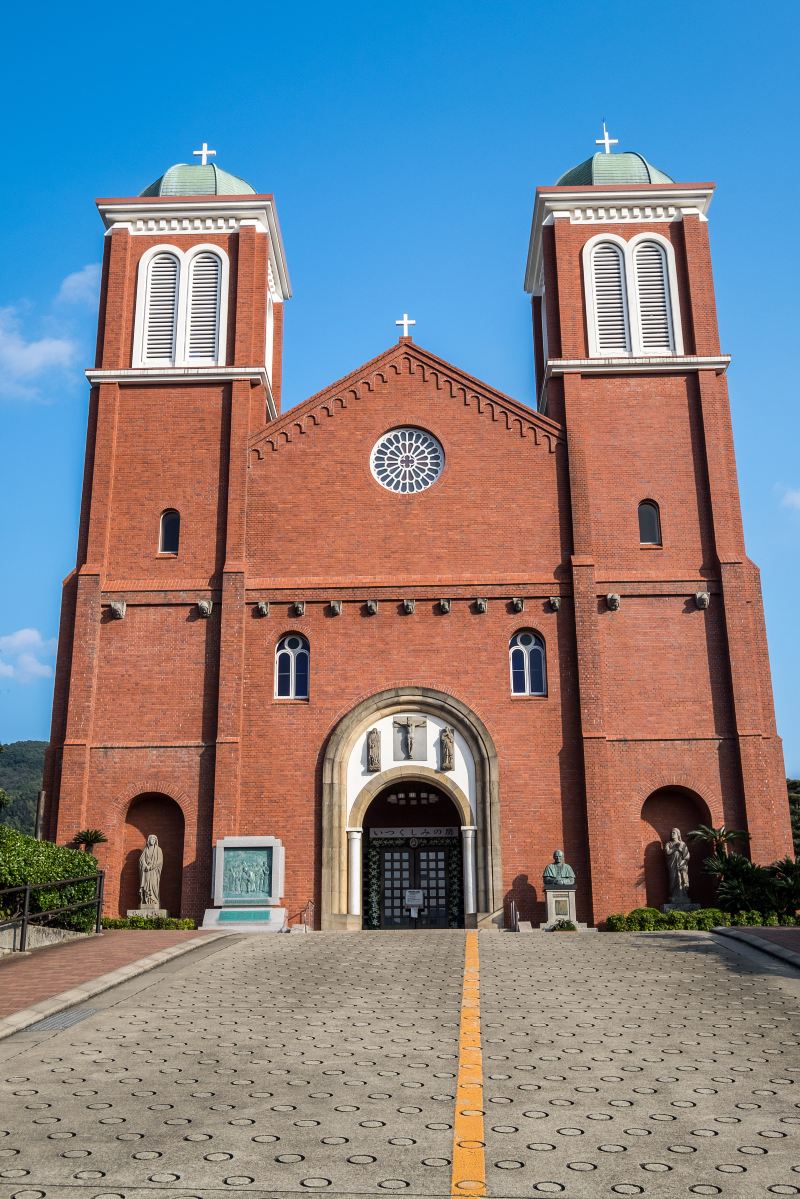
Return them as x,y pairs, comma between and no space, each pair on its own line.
659,694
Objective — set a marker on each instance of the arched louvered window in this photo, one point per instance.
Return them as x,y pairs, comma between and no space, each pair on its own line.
161,311
610,306
649,523
653,300
170,532
527,664
203,315
291,667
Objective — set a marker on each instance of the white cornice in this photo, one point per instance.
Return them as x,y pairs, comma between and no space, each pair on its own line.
200,215
613,205
186,374
629,365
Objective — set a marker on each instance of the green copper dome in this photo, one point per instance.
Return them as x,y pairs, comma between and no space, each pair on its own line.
187,179
601,168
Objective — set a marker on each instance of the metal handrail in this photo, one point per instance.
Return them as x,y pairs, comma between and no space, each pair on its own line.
26,917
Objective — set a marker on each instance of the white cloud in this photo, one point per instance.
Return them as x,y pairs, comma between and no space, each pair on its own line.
81,287
23,360
24,654
791,498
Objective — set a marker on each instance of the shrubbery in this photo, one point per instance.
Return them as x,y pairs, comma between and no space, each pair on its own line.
145,922
23,860
650,920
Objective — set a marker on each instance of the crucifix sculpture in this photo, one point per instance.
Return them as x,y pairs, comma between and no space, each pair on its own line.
410,723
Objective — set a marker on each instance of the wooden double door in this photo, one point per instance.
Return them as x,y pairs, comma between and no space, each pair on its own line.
433,871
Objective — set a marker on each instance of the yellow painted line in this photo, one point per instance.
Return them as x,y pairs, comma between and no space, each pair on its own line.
469,1159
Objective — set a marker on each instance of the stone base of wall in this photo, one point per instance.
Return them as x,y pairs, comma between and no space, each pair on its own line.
38,937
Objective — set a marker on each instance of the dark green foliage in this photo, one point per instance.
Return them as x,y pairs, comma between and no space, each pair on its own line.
720,839
652,921
564,926
21,764
744,886
87,838
145,922
25,860
794,811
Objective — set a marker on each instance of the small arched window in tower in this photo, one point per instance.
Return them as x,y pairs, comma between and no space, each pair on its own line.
612,331
202,331
170,532
527,663
161,311
649,523
291,667
654,305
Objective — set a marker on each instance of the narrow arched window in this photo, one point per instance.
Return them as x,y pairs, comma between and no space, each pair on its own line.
203,314
649,523
527,664
653,301
160,311
170,532
291,667
610,307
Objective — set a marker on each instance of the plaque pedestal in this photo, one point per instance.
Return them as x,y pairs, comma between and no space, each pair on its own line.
147,913
560,906
244,920
686,906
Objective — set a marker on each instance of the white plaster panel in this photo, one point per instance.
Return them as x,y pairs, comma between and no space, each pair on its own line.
358,776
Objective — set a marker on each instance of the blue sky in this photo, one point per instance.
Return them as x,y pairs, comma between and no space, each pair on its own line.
403,144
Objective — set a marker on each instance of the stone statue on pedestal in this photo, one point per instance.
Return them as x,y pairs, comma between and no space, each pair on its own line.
558,873
150,866
677,854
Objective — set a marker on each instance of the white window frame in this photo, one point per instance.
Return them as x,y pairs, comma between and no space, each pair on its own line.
526,651
304,647
630,296
185,258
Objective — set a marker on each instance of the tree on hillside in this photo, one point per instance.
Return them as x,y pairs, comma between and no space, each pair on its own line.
21,765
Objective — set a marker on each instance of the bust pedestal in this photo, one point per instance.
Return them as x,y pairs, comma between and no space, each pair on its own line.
560,905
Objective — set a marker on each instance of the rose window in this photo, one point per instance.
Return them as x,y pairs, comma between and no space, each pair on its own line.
407,460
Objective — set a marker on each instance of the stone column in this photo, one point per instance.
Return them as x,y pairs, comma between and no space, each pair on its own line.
468,855
354,871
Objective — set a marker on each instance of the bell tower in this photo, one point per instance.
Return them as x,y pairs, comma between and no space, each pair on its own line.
188,366
667,605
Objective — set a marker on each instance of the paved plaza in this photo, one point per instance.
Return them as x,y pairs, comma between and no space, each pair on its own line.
601,1065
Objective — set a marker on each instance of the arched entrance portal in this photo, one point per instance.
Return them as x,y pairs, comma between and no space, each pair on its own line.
404,736
411,851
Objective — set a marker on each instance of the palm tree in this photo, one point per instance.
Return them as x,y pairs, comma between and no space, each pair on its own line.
720,839
87,838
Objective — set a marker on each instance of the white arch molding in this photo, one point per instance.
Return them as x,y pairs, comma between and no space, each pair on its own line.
348,789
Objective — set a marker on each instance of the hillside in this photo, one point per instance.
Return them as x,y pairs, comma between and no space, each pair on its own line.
21,765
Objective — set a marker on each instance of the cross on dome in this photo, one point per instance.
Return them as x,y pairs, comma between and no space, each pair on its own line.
204,154
606,141
405,322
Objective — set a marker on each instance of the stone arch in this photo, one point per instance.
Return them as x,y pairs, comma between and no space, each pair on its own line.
666,808
334,900
153,812
417,773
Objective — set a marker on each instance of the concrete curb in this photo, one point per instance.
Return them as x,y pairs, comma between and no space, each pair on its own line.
772,949
66,999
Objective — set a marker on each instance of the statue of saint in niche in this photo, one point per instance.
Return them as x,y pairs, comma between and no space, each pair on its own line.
447,748
558,873
677,854
373,751
150,866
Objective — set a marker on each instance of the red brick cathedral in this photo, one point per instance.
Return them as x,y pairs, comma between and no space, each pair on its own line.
419,632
